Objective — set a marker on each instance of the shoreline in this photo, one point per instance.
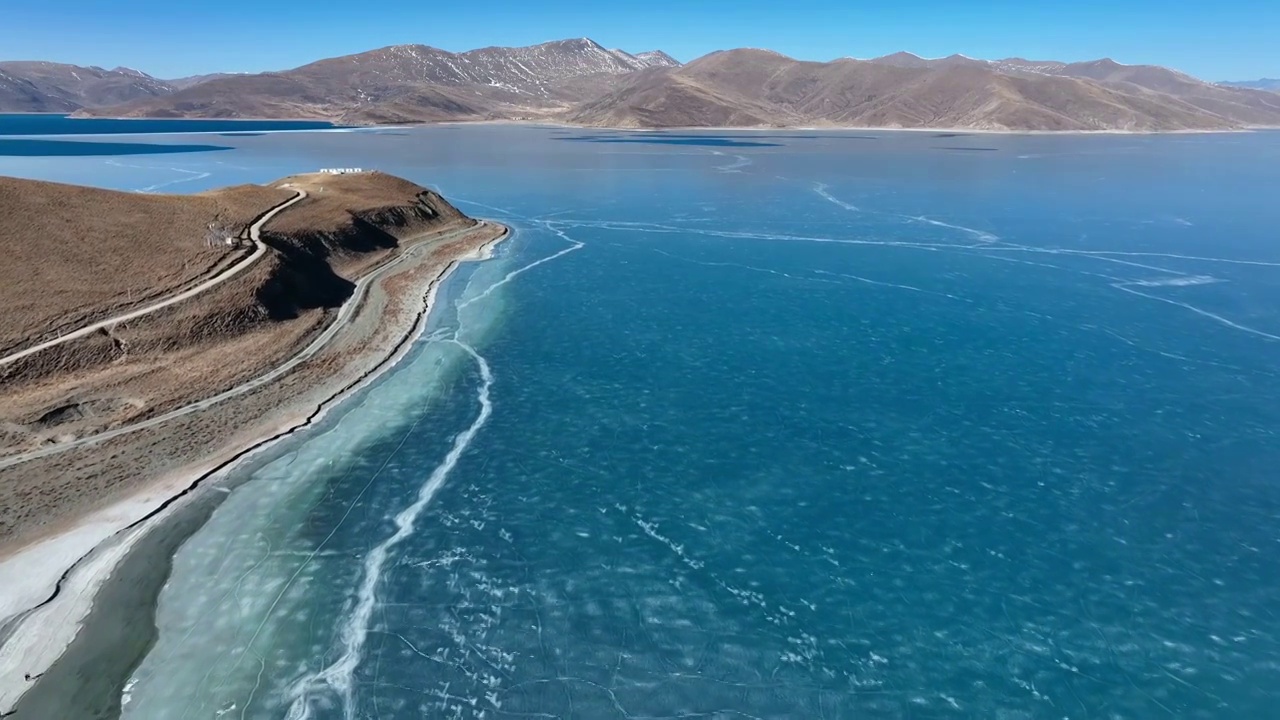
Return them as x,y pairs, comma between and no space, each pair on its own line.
921,130
550,123
44,620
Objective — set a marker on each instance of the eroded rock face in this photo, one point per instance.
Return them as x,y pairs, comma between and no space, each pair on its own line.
315,264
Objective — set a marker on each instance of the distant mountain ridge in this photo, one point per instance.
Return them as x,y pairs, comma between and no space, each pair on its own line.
1272,84
657,58
37,86
911,60
1203,105
762,88
186,82
18,94
580,81
519,69
34,86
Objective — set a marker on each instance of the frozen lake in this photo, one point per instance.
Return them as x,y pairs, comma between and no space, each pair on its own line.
769,425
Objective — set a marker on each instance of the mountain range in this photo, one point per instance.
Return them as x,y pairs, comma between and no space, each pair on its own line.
759,87
1272,84
33,86
581,82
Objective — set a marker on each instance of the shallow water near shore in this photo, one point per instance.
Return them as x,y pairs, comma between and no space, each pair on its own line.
831,425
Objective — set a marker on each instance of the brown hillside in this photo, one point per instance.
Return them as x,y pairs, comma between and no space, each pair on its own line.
581,82
347,224
655,98
755,87
37,86
80,254
407,83
73,254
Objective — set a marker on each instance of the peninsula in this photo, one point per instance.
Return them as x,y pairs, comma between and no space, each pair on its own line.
152,339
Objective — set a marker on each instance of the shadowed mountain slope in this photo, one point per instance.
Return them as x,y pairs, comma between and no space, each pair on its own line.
34,86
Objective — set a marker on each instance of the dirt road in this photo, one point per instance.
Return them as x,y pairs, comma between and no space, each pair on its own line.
344,312
259,249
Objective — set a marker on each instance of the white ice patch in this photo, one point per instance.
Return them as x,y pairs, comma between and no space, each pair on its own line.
821,190
1183,281
869,281
188,175
740,161
1199,311
516,273
1122,253
980,235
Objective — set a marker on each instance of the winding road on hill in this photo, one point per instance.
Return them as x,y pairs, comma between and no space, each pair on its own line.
345,312
259,249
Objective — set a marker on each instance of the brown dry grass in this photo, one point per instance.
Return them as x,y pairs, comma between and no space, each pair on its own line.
755,87
192,350
348,226
73,254
335,199
48,494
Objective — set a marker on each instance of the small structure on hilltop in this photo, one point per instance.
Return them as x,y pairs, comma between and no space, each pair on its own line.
340,171
219,234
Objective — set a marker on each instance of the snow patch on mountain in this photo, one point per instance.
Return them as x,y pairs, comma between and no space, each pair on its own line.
657,58
522,70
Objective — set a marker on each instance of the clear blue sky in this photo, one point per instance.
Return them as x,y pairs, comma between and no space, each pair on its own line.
1216,40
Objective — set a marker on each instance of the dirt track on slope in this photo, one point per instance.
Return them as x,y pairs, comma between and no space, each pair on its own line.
348,227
